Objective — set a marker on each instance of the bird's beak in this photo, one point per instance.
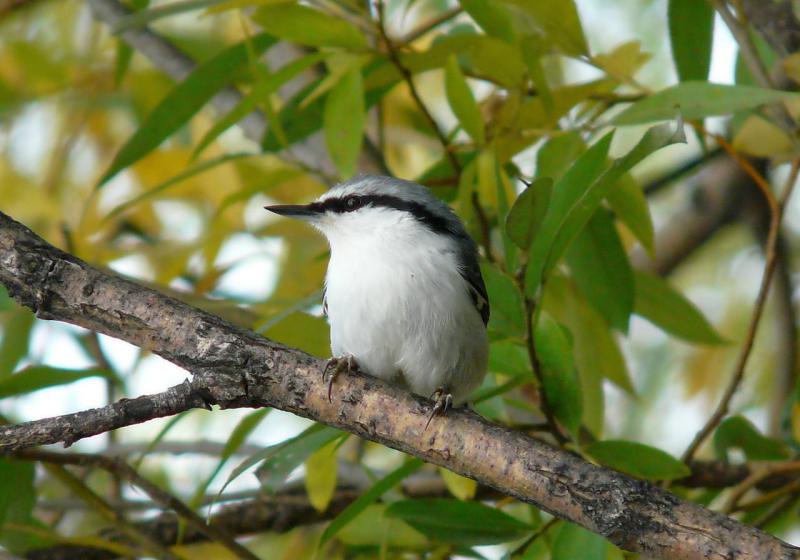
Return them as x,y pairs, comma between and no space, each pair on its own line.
299,211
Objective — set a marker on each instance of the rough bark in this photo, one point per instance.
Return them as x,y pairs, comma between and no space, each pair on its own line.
233,367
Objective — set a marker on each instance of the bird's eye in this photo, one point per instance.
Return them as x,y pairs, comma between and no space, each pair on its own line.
351,203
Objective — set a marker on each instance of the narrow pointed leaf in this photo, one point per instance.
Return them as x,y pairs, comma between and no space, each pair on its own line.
691,32
457,522
697,100
462,101
526,215
344,119
184,100
638,459
375,491
601,269
566,194
573,542
662,305
739,433
34,378
307,26
262,90
15,340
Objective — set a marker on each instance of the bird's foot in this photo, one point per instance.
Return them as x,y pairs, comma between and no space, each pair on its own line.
335,366
443,401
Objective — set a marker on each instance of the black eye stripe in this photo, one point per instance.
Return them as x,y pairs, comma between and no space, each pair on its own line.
418,211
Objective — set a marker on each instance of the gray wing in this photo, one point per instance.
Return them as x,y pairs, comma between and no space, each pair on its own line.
471,272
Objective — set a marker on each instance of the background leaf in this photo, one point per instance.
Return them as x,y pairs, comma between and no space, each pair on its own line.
691,31
696,100
183,101
738,432
600,268
462,101
637,459
307,26
373,493
457,522
661,304
344,120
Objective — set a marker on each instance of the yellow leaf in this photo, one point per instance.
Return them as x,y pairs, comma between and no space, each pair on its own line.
321,475
459,486
791,66
796,421
624,61
759,137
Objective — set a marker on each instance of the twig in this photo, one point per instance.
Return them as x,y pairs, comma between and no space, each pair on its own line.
161,497
544,403
746,46
429,25
749,53
104,509
391,52
676,173
776,212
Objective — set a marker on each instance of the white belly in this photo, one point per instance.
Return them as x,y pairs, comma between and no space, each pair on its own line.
404,312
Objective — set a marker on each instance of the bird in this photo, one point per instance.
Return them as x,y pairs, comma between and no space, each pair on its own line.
403,293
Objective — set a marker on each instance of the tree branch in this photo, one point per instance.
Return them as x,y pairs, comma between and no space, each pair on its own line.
233,367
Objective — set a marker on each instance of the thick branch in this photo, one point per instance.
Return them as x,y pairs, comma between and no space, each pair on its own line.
233,367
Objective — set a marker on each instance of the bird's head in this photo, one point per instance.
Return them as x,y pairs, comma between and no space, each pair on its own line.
369,205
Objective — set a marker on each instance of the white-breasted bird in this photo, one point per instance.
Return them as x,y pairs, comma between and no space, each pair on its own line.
403,293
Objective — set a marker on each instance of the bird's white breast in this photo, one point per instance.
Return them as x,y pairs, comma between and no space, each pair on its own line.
397,304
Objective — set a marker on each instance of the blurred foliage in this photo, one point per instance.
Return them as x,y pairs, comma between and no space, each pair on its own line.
514,112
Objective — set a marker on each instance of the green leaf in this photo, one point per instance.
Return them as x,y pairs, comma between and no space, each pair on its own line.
237,438
579,192
261,91
559,21
566,194
457,522
281,459
492,17
561,383
601,269
6,303
662,305
559,153
462,101
344,119
184,100
691,33
526,215
34,378
373,493
739,433
573,542
637,459
307,26
508,317
17,499
627,200
769,57
596,351
16,337
696,100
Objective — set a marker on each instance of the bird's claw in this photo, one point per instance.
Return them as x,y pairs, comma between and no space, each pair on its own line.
442,403
336,366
